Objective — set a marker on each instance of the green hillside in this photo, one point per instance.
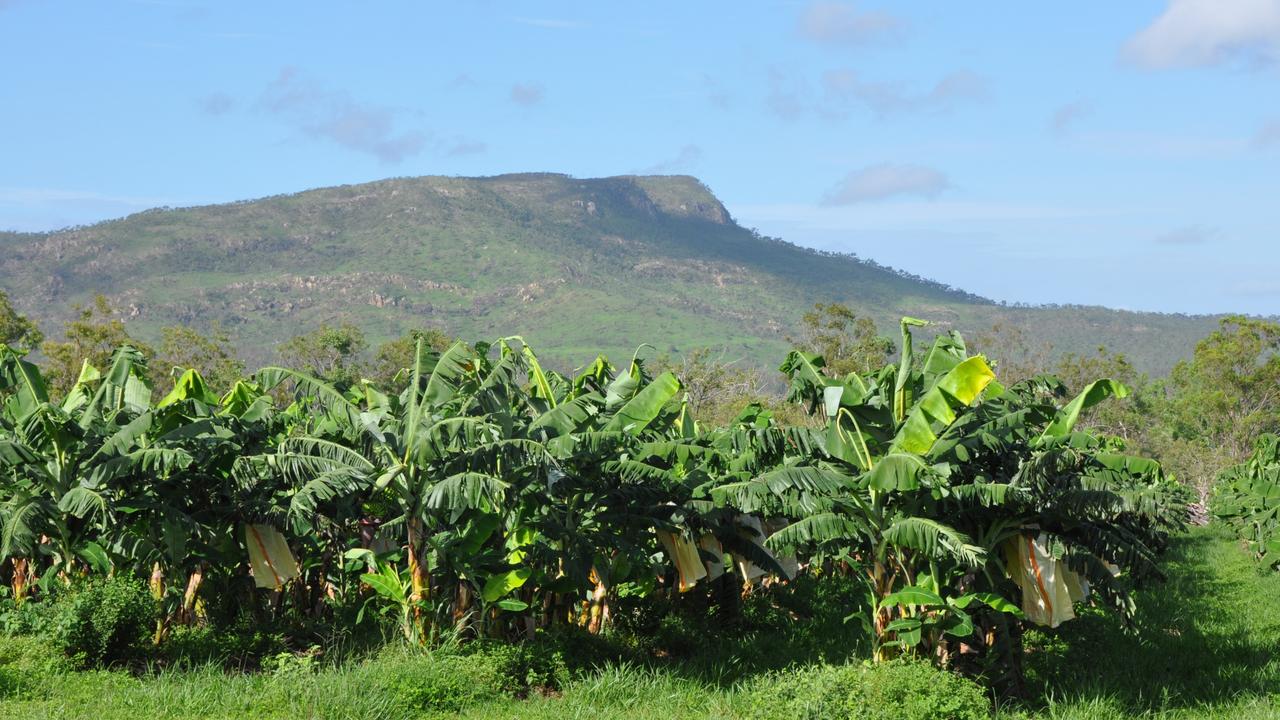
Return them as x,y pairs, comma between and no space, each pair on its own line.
574,264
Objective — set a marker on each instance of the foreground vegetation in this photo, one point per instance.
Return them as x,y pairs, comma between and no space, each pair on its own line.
915,537
1205,649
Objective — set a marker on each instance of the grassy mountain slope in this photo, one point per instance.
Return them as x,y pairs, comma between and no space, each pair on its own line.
575,265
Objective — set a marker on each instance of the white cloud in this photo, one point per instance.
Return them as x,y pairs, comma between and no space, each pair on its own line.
1192,33
886,180
841,23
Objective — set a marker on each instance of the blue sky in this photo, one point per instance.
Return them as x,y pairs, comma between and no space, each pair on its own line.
1116,153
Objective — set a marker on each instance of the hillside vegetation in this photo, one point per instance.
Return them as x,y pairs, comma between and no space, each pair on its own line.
574,265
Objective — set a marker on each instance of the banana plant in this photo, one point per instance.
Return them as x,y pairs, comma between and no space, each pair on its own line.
927,467
440,456
61,461
1247,499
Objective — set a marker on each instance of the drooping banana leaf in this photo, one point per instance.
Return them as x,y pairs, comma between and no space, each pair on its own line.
569,416
448,374
123,387
24,380
960,387
324,394
190,386
645,405
1093,394
82,392
808,383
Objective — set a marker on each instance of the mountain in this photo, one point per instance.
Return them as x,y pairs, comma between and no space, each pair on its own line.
575,265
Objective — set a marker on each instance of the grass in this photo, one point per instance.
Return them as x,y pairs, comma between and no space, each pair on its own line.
1207,646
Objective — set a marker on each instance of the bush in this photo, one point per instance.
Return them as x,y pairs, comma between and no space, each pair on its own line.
237,646
439,682
107,621
29,667
900,690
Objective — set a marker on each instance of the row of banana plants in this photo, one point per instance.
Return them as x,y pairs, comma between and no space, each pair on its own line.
492,494
1247,498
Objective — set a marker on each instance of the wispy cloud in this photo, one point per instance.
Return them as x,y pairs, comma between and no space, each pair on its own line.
43,209
907,214
1163,145
550,23
1189,235
715,92
218,103
463,146
791,96
333,115
1255,289
49,195
1065,117
788,95
844,23
845,86
236,36
527,94
887,180
1191,33
688,156
1268,135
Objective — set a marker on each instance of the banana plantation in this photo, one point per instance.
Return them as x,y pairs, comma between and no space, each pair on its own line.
487,497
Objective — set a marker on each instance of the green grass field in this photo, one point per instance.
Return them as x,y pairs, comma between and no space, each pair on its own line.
1207,646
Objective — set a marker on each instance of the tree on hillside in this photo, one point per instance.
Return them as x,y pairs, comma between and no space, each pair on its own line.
717,389
848,343
1228,393
17,331
330,353
397,355
1128,418
1015,356
93,336
184,348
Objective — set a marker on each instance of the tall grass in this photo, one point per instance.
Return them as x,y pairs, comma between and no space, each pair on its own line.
1207,645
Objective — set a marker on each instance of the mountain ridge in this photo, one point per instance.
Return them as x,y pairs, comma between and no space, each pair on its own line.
575,264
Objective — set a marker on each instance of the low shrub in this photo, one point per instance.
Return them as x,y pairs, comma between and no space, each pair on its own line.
900,690
237,646
29,667
106,621
438,682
